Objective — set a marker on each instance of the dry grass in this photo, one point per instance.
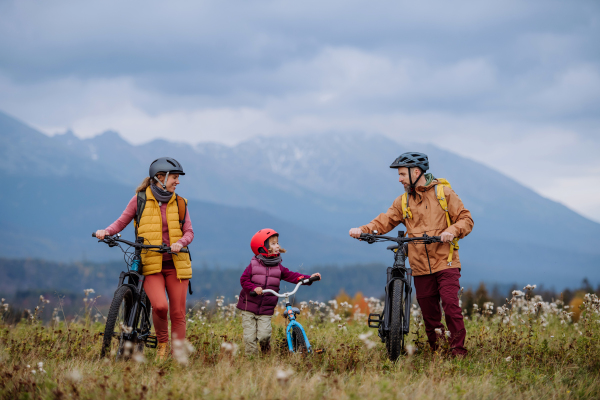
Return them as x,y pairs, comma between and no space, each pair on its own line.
531,349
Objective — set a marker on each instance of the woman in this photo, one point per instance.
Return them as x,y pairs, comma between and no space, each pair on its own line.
160,223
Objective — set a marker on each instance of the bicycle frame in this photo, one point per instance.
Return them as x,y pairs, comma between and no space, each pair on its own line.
400,272
397,272
290,314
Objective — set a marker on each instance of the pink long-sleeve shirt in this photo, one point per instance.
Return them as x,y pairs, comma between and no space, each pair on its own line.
129,214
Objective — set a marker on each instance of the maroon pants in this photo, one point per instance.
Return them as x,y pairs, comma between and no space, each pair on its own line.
430,289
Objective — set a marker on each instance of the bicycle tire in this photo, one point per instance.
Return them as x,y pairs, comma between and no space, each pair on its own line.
120,309
395,338
145,325
298,342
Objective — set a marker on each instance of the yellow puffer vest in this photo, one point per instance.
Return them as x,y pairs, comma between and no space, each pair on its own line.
151,230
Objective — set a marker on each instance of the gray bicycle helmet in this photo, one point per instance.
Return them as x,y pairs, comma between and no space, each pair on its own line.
412,160
167,165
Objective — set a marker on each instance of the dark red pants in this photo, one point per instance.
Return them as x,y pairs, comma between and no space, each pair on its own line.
430,289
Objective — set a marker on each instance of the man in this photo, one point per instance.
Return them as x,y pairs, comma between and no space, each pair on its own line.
435,267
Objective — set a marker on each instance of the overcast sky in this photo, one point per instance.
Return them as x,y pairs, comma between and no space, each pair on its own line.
513,84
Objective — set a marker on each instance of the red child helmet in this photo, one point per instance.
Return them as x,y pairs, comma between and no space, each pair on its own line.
259,240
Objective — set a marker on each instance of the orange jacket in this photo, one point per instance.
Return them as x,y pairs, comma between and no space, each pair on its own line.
428,217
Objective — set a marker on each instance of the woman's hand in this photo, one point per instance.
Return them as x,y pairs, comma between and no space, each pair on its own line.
176,247
101,234
316,274
258,290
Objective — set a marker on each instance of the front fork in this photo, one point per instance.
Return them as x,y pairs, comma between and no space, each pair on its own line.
292,318
397,272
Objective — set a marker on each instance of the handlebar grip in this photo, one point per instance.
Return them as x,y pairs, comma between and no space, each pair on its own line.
364,235
314,278
94,234
184,251
253,293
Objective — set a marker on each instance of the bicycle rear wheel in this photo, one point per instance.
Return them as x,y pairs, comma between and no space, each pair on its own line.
118,316
298,342
395,339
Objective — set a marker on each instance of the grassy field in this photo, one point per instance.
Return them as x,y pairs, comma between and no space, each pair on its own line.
528,349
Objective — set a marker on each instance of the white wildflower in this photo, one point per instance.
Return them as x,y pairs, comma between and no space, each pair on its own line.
410,349
181,351
229,348
438,331
74,376
283,376
509,358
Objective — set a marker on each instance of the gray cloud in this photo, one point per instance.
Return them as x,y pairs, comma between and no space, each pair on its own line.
514,84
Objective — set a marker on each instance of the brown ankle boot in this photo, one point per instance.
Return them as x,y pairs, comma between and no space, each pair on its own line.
265,348
161,351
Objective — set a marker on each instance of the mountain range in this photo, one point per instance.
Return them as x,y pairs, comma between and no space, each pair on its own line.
311,188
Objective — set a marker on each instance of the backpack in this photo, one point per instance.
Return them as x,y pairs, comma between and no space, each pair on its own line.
439,192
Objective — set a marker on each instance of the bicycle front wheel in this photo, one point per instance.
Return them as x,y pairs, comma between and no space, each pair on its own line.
145,323
395,339
298,342
116,322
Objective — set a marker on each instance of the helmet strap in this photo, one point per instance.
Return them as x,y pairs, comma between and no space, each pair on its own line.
164,185
412,187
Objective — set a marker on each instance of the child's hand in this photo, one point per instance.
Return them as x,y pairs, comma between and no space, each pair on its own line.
316,274
258,290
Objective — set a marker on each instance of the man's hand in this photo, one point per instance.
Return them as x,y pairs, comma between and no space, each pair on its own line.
258,290
101,234
176,247
356,232
316,274
447,237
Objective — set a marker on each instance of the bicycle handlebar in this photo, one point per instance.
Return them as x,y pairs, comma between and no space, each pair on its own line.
159,249
302,282
370,238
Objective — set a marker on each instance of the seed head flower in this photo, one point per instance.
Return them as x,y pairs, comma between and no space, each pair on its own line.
229,348
283,376
74,376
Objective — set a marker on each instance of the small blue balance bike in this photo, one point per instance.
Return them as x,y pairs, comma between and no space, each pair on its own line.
296,336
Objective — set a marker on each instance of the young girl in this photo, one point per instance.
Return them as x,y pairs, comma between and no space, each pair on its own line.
264,272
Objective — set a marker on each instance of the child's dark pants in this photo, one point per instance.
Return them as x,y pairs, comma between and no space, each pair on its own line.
444,285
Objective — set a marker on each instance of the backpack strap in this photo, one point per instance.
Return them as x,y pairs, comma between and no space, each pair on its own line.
439,192
182,206
141,204
405,208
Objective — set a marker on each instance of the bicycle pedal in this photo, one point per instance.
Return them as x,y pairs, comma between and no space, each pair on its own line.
374,319
151,342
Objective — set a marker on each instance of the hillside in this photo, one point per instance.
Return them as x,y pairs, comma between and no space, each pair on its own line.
312,188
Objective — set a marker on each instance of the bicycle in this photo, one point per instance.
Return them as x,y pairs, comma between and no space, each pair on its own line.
130,315
394,322
295,333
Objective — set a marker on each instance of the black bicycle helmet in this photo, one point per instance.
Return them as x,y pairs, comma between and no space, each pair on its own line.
412,160
167,165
